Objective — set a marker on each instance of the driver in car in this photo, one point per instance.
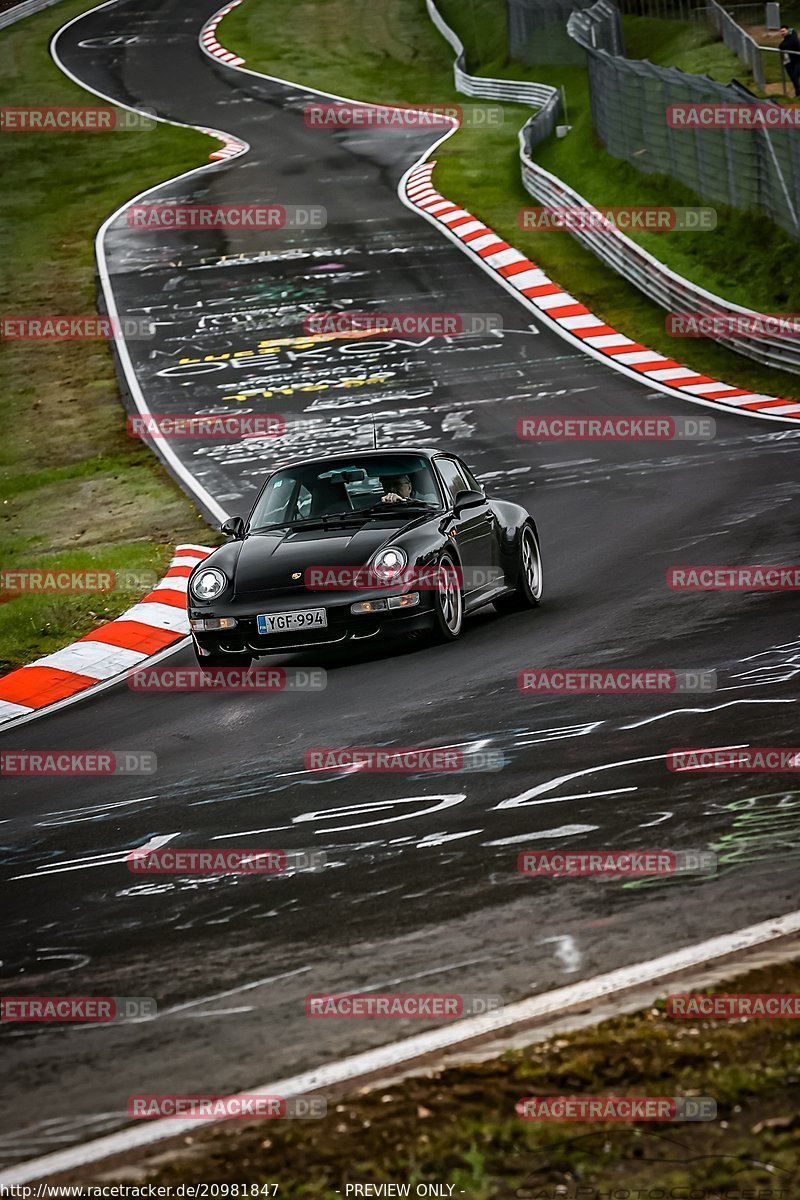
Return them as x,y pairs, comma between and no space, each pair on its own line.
397,488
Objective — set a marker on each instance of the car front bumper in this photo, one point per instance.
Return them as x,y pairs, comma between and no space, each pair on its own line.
343,626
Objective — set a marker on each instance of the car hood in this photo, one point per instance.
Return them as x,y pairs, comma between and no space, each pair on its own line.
268,560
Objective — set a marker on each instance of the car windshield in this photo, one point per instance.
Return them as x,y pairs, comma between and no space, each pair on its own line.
345,488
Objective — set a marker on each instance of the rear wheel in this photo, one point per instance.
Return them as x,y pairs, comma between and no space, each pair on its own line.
448,602
220,658
528,592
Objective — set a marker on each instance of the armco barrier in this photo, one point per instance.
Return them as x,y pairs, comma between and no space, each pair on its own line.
26,9
614,248
538,95
650,276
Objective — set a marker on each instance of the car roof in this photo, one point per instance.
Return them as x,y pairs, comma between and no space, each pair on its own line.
423,451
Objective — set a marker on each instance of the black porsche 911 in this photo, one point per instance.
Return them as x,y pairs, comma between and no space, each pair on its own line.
356,546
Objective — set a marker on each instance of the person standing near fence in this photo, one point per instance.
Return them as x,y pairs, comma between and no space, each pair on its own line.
790,45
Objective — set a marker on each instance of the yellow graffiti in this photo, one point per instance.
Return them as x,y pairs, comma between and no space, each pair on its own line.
268,393
273,345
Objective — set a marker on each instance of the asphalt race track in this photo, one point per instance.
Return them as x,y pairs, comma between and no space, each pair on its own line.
420,891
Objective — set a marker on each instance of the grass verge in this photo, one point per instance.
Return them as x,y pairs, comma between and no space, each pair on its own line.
459,1127
689,45
75,491
391,52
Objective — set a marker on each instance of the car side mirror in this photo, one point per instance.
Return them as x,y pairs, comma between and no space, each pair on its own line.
466,500
233,527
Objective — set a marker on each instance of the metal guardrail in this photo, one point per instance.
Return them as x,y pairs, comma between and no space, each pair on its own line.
516,91
614,248
26,9
672,291
546,99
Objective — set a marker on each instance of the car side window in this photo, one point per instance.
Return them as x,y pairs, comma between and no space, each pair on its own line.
470,478
303,502
454,481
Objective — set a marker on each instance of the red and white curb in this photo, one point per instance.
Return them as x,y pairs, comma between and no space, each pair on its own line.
231,146
573,320
152,625
208,37
565,314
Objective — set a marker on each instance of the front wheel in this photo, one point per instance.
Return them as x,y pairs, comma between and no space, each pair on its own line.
448,602
528,592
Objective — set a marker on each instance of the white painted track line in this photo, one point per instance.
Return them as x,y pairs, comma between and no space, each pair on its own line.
395,1057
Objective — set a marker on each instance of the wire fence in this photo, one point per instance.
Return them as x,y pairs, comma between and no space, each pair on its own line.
599,27
611,246
755,169
736,39
537,31
748,14
664,10
665,287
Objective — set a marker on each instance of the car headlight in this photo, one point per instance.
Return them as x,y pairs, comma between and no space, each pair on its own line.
208,584
388,564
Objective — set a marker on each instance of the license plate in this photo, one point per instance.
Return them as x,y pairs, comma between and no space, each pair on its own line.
289,622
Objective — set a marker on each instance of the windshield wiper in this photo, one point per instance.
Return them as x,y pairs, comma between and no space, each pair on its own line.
324,519
304,522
